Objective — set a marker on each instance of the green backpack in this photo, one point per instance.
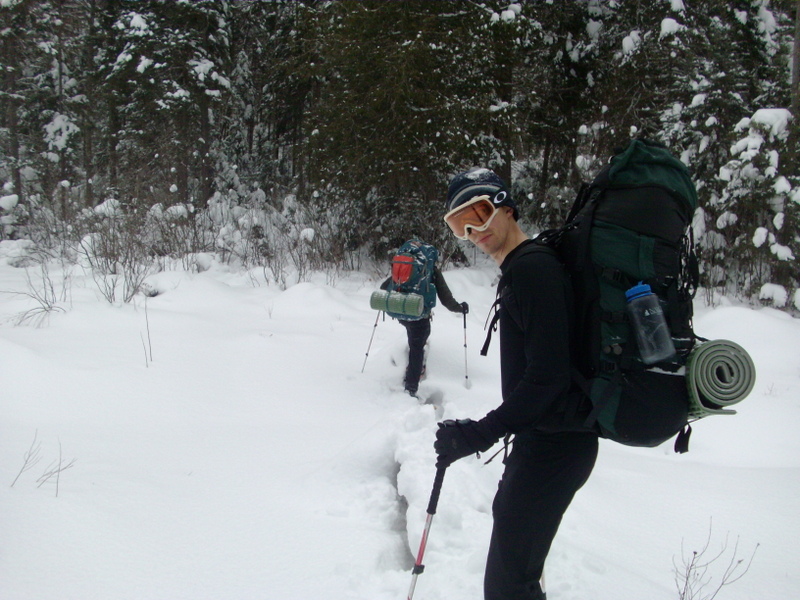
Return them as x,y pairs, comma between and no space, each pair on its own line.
412,273
630,225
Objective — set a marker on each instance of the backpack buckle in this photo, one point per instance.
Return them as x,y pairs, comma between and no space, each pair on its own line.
608,367
614,276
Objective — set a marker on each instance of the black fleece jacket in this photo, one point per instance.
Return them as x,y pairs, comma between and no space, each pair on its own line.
534,342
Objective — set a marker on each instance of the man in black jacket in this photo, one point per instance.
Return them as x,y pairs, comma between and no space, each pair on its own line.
552,454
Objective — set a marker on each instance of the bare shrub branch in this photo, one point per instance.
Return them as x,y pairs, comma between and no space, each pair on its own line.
695,580
117,256
55,469
43,293
30,458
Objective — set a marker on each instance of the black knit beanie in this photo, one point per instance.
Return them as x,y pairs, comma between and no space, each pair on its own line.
478,182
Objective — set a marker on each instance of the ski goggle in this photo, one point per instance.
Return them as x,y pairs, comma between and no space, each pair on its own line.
476,214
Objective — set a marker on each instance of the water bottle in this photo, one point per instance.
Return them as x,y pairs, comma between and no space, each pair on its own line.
649,325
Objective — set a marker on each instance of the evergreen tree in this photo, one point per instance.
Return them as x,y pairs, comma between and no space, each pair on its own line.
15,21
757,231
260,129
362,110
743,68
42,100
406,97
166,70
556,93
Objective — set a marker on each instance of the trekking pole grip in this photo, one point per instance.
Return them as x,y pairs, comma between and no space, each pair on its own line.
437,488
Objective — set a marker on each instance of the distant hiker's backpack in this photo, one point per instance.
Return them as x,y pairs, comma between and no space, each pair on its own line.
412,273
631,225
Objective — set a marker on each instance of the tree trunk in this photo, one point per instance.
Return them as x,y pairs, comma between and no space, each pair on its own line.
504,87
796,67
13,133
88,130
791,159
112,141
88,163
206,170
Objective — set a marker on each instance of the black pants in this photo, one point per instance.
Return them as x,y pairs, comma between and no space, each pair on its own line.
418,333
542,474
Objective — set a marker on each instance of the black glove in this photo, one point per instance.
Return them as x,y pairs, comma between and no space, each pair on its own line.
457,439
465,308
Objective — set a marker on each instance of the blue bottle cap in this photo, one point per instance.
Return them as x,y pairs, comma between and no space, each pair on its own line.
642,289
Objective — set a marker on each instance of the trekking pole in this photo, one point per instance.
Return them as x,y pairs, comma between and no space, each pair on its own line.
434,500
374,327
467,382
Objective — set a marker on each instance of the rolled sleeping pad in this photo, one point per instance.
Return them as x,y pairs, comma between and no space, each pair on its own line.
397,302
719,373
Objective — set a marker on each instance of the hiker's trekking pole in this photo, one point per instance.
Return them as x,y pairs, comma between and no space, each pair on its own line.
434,500
467,382
370,341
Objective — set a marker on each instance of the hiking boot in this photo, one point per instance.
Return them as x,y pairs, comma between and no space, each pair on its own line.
410,387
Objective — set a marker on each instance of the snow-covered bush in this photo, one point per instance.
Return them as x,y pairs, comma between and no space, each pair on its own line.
114,247
8,206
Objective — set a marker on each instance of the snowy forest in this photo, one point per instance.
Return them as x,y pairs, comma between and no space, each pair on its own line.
318,135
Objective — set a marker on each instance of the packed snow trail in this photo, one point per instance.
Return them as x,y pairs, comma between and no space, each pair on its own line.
249,451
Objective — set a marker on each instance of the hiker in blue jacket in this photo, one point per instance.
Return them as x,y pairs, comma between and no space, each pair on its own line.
418,329
552,454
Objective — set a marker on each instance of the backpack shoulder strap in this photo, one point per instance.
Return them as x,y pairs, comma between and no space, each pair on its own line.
527,247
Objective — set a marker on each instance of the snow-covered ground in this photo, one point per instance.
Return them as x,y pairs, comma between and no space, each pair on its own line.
228,446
